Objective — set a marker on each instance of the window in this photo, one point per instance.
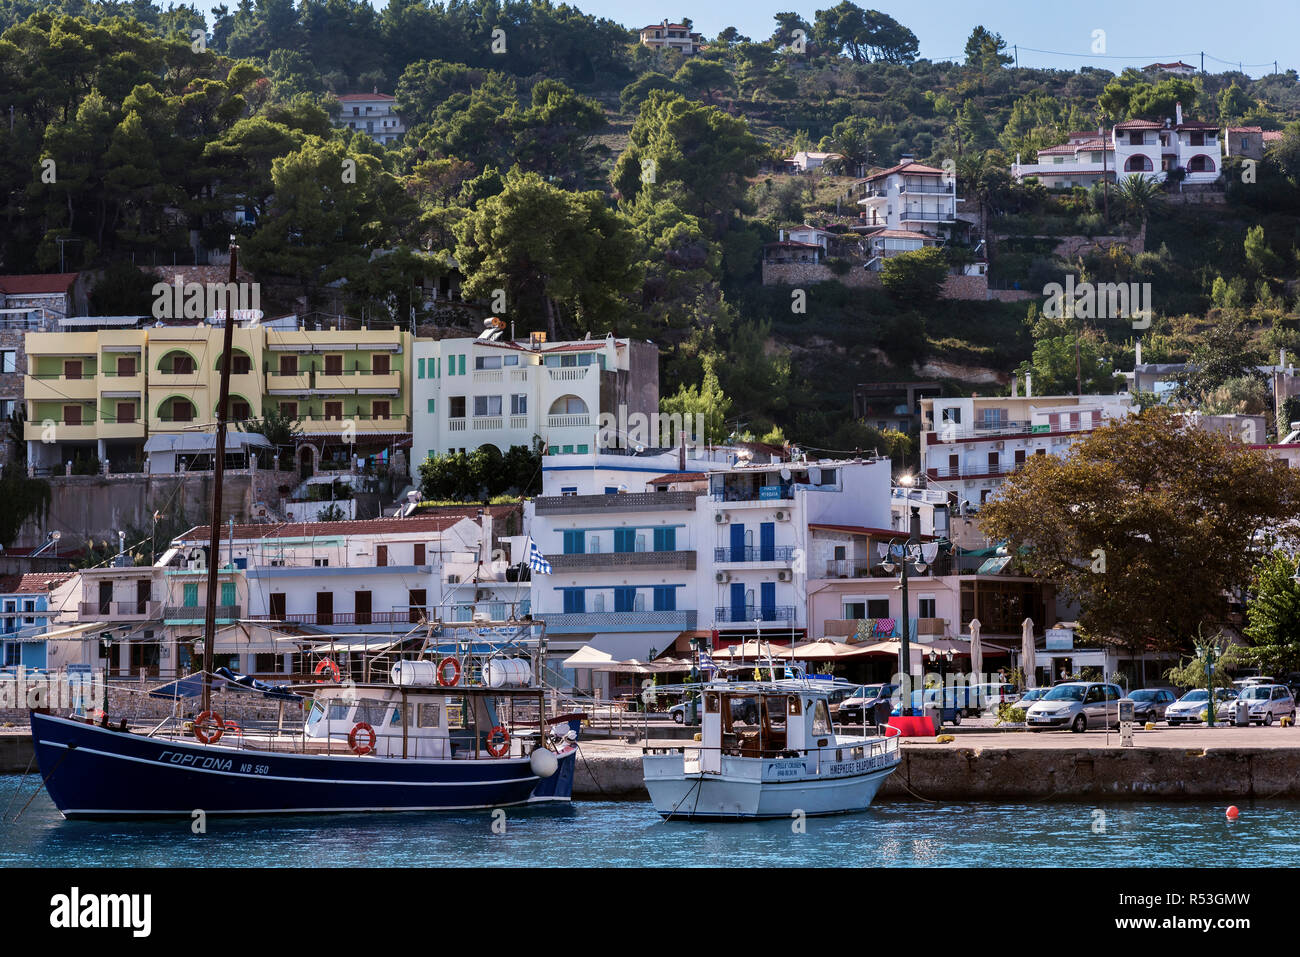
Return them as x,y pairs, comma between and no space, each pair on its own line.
419,553
487,362
416,599
290,409
379,410
125,412
855,609
666,539
665,598
575,600
877,608
574,542
487,405
72,415
432,408
379,363
381,556
126,366
334,365
8,361
288,365
925,608
333,410
320,562
420,371
460,366
840,553
624,539
519,405
624,598
228,594
275,605
510,360
240,364
456,407
190,595
239,410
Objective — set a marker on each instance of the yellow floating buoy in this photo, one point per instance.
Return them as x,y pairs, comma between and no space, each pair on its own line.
945,739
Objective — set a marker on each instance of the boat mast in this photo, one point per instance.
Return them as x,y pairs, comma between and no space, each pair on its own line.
218,474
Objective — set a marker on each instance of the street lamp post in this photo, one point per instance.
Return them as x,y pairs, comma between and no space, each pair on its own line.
910,557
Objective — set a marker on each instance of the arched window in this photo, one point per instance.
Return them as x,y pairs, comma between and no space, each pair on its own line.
176,408
1200,163
568,405
176,362
240,363
1138,163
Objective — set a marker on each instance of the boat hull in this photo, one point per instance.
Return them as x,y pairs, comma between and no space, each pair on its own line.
94,772
678,795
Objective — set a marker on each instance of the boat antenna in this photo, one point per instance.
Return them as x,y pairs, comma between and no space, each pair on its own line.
218,475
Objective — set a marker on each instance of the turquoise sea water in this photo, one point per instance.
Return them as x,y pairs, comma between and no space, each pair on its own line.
629,833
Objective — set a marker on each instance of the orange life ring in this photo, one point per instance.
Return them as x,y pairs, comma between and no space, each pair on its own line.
327,664
455,673
498,750
232,726
201,730
352,738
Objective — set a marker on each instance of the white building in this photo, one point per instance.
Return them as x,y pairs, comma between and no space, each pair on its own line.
1084,159
649,550
910,196
970,445
806,161
467,393
672,36
372,113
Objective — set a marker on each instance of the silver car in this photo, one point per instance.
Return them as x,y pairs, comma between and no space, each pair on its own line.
1268,703
1188,708
1150,704
1077,705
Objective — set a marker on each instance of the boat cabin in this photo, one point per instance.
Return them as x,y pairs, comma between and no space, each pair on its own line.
434,723
767,720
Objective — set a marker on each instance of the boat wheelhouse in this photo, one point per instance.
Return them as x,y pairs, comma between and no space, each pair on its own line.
768,749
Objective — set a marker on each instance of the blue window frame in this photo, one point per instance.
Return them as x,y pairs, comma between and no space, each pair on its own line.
625,539
575,542
624,598
767,600
737,602
665,598
575,600
737,543
767,542
665,539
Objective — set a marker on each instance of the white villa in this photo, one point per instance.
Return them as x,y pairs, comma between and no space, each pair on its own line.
1142,147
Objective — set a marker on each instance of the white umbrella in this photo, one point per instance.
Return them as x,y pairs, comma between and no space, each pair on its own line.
976,652
1027,662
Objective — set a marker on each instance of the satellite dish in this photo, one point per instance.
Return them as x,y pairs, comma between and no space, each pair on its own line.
785,474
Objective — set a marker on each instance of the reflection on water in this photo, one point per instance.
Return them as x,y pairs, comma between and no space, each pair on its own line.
630,834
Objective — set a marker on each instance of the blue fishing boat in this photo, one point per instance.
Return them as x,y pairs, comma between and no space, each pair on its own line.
423,742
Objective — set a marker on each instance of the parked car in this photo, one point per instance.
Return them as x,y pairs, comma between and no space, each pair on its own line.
1188,708
1030,696
987,697
853,708
1268,703
1077,705
1149,704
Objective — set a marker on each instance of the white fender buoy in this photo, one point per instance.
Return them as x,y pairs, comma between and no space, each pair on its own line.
543,762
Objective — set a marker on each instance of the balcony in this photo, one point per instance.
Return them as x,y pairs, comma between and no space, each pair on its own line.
184,382
603,621
81,431
927,216
767,495
110,384
457,425
623,502
939,188
58,388
361,381
194,614
985,470
121,430
622,561
582,421
489,375
406,616
574,374
518,421
849,568
363,424
748,614
119,610
487,423
780,554
288,384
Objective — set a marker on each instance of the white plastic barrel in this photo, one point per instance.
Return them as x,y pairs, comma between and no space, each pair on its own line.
415,674
508,672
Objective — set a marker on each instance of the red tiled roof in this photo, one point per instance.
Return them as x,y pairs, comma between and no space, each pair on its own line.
35,284
1195,125
908,167
365,96
32,583
1138,125
1168,66
1245,129
866,530
201,534
902,234
1271,136
791,242
678,477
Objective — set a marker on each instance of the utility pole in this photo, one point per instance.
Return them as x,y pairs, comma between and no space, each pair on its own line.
1016,49
1202,63
1105,174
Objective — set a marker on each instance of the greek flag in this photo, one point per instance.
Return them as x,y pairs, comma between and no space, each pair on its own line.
536,560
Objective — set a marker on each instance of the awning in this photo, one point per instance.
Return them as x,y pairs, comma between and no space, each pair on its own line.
826,650
596,660
754,649
75,631
202,442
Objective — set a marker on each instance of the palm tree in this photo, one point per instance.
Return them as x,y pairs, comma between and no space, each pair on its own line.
1138,196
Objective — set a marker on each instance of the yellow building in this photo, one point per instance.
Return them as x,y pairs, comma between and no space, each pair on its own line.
103,385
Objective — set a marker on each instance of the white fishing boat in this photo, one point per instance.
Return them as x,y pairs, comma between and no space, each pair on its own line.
768,749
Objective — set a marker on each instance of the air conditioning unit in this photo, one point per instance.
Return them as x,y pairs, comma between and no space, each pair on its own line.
782,515
722,577
721,518
784,575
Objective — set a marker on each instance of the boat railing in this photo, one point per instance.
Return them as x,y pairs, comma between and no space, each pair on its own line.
824,757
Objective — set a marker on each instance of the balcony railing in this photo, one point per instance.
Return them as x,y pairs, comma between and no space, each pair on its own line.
948,188
484,423
600,561
119,609
751,553
750,613
191,613
780,495
848,568
606,620
573,374
456,425
578,421
927,216
411,614
972,471
625,501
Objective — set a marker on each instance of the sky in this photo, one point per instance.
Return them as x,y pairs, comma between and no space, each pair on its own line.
1254,33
